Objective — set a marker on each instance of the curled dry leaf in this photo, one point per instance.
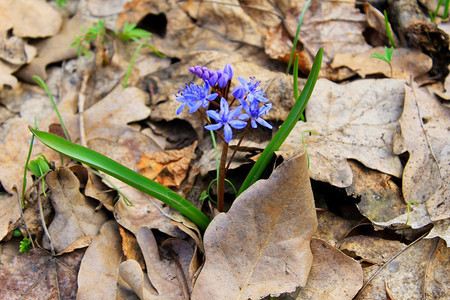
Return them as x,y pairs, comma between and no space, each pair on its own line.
97,278
168,167
333,274
353,121
165,280
75,216
405,63
260,247
437,281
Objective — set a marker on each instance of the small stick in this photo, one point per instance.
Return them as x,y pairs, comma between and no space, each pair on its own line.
81,100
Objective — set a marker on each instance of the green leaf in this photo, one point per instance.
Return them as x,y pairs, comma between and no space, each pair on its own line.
380,56
286,128
25,245
388,53
128,176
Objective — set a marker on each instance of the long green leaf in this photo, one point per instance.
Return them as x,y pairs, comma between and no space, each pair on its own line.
113,168
287,126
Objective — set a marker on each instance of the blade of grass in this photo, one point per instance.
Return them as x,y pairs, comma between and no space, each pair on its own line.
133,58
42,84
300,21
287,126
128,176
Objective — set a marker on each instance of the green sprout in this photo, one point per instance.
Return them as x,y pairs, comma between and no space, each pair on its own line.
388,51
39,167
25,245
101,34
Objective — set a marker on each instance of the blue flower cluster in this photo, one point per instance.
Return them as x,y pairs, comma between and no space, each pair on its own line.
253,101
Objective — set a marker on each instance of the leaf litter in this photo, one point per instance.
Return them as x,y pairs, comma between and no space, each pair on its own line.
376,136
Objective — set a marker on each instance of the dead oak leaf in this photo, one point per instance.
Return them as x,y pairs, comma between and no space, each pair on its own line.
168,167
260,247
353,121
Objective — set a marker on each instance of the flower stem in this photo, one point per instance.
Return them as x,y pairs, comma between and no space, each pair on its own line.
221,181
237,147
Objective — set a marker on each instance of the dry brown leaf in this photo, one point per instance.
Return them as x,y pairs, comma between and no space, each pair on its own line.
375,20
24,55
97,278
9,213
405,63
437,281
105,8
332,228
95,188
168,167
337,26
354,121
29,18
75,216
164,275
54,49
405,275
260,247
380,198
130,247
369,249
36,274
333,274
423,134
427,174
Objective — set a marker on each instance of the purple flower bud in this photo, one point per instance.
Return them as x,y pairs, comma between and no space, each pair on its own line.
228,69
213,79
223,80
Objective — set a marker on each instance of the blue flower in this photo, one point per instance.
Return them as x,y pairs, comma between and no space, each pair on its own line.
249,89
254,112
227,119
194,96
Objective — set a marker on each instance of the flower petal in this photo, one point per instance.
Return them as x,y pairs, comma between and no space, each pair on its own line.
213,126
228,133
238,124
214,114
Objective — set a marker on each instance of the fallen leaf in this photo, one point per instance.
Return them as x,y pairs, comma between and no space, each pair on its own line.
130,247
332,228
168,167
97,278
29,18
354,121
425,135
268,227
405,63
336,26
375,20
437,281
164,280
373,250
9,213
333,274
405,274
380,199
105,8
36,274
75,216
54,49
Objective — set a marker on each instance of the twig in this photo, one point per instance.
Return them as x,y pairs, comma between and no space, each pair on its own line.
81,101
221,181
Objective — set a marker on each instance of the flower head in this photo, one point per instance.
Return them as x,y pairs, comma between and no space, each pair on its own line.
226,119
254,112
194,96
219,77
249,89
